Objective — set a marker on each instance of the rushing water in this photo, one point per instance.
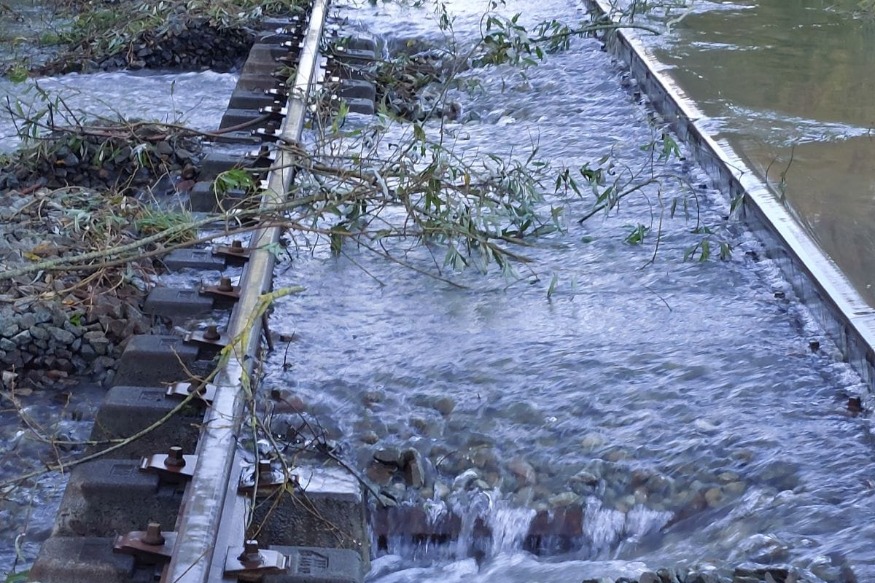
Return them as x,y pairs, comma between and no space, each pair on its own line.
681,403
789,84
197,100
27,510
37,428
194,99
27,28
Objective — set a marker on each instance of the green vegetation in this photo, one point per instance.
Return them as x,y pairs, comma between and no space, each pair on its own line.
364,186
17,72
20,577
99,30
84,34
396,186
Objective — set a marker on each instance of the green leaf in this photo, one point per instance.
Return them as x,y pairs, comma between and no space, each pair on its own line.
233,179
554,281
418,132
688,254
670,148
705,253
636,236
336,239
736,203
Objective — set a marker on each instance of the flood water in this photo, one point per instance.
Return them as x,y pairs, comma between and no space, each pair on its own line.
789,85
32,428
642,387
196,100
637,390
37,428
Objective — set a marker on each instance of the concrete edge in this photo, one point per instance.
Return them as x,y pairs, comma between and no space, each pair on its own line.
820,284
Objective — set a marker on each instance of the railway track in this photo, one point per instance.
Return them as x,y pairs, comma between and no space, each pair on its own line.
169,494
190,505
195,506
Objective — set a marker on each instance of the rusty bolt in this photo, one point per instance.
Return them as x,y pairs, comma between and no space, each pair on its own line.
153,535
225,285
211,333
174,458
236,246
250,555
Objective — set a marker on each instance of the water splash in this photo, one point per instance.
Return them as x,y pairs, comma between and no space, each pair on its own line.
473,508
435,509
603,527
509,527
641,521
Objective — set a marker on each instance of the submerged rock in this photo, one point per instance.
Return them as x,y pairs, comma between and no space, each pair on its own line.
390,456
413,467
522,471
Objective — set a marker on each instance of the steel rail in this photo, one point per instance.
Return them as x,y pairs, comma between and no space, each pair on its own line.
203,538
819,283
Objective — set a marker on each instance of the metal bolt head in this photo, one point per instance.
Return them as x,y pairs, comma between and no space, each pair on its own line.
212,333
264,469
236,246
250,555
174,457
225,284
153,535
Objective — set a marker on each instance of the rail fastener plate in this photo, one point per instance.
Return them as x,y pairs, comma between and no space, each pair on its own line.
219,291
164,465
209,337
235,252
183,390
269,479
268,563
133,544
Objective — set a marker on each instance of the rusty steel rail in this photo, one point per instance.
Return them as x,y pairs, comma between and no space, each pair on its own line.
212,518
